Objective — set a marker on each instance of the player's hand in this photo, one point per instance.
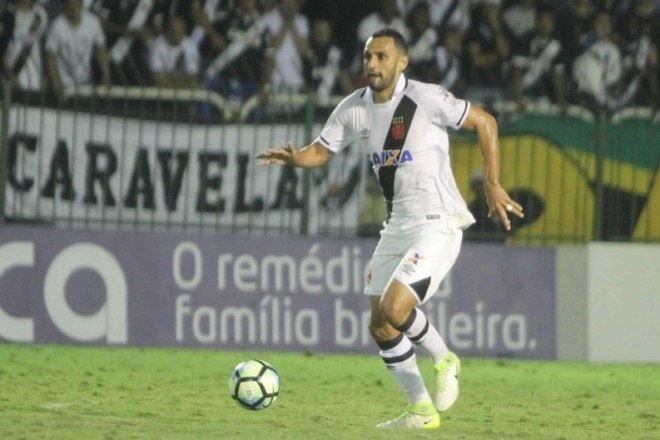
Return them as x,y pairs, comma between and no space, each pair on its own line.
501,205
278,155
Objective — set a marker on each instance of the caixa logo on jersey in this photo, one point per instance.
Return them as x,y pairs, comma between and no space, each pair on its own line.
109,322
388,158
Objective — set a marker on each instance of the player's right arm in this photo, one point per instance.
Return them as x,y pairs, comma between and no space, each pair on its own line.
313,155
336,134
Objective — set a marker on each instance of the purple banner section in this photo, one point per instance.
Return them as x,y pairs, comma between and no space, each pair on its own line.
195,290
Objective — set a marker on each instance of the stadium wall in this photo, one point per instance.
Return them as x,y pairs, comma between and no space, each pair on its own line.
608,298
255,293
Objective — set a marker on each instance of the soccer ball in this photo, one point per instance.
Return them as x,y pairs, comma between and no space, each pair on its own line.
254,384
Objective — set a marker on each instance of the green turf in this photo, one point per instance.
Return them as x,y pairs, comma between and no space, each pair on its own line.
76,393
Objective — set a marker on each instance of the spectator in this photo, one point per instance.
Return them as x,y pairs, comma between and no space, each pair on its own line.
174,57
421,43
519,21
537,66
128,25
267,5
203,19
639,62
451,14
575,32
237,71
287,33
387,15
645,12
487,50
597,71
444,14
448,61
75,38
23,60
323,73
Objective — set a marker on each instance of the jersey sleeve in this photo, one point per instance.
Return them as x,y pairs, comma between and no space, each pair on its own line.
337,132
449,111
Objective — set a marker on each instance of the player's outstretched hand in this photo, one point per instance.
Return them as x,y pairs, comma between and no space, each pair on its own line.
278,155
501,205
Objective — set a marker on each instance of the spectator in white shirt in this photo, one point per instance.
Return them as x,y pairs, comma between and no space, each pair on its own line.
287,32
519,22
597,71
388,15
174,57
74,38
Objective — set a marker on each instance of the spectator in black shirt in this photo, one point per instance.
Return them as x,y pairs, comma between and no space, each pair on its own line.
236,72
422,42
487,49
537,67
128,26
322,68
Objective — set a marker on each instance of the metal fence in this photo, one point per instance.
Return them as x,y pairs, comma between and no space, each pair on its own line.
142,158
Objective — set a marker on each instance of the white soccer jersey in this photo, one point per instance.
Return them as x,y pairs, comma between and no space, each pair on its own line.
74,46
182,59
406,142
288,70
24,50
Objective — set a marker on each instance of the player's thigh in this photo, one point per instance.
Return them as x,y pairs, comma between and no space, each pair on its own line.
427,261
384,262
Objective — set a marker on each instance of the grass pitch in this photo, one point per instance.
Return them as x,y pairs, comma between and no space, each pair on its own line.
72,393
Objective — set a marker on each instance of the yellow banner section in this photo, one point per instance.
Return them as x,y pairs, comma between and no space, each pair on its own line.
564,179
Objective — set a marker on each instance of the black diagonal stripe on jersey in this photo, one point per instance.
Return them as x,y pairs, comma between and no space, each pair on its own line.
405,110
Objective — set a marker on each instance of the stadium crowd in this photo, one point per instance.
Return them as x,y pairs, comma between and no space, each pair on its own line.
601,53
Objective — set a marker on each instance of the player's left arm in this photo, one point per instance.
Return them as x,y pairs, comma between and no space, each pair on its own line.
499,202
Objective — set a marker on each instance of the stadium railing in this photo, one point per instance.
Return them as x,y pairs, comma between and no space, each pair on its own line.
148,158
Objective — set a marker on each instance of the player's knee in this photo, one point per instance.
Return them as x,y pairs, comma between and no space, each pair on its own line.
394,312
381,330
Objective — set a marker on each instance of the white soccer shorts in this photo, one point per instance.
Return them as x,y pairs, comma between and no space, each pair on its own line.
418,257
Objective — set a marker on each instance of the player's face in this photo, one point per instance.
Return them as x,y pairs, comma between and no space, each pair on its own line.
383,61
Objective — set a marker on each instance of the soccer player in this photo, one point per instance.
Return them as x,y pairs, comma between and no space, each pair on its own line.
401,125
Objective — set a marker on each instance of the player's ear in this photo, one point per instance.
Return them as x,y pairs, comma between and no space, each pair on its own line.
403,62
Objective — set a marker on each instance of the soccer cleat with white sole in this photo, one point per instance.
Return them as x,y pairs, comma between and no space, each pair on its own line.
421,415
446,376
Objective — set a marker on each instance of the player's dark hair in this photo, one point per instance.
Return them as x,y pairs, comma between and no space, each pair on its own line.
395,35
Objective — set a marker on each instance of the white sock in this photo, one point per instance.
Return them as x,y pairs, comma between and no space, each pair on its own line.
400,359
421,333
